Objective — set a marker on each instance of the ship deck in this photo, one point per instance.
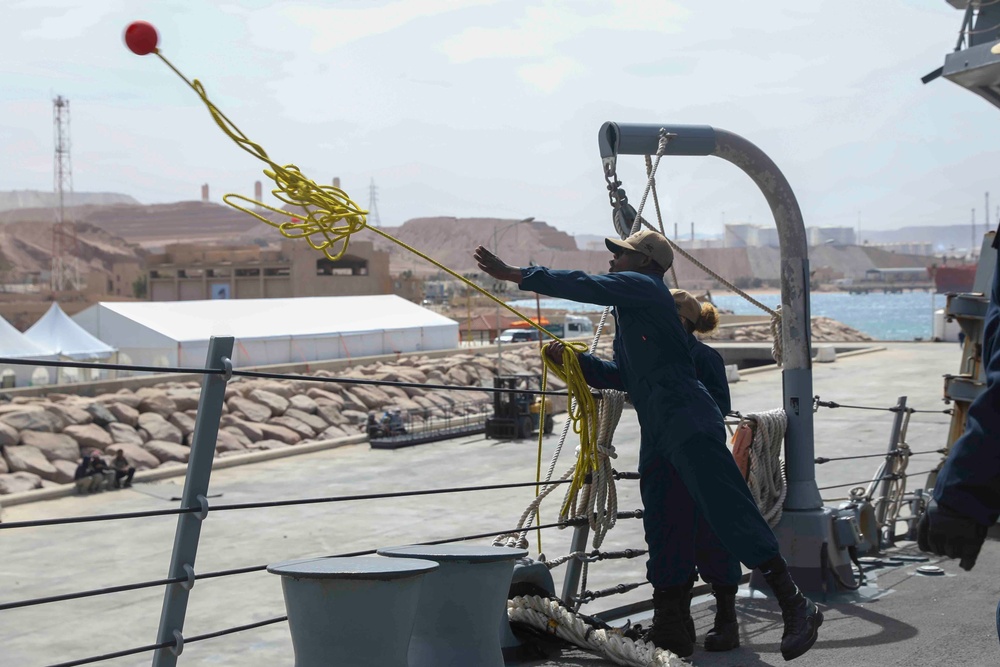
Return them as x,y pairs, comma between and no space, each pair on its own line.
910,619
901,618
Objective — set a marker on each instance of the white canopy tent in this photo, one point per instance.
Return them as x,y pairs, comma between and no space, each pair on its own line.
14,344
267,331
58,333
66,339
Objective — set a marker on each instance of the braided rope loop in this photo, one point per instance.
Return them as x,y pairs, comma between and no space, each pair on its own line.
767,470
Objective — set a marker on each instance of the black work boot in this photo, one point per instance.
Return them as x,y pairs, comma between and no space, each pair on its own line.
725,634
686,608
668,631
802,618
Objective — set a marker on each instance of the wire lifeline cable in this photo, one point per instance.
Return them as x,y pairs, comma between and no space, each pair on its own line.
259,568
171,643
264,504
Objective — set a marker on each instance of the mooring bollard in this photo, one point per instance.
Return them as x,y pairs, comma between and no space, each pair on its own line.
463,604
351,611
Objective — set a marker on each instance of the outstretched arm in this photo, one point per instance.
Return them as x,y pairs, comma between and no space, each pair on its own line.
613,289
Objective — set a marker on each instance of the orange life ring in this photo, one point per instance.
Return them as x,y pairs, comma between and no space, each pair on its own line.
742,439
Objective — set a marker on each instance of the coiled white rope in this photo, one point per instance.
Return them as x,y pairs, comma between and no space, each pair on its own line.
767,470
552,617
598,500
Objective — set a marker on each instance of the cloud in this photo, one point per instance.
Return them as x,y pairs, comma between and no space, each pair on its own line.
548,75
66,19
541,28
333,27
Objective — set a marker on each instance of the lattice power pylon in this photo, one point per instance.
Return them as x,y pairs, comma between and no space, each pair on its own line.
65,248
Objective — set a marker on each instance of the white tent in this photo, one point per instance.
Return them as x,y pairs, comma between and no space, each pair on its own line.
267,331
59,334
14,344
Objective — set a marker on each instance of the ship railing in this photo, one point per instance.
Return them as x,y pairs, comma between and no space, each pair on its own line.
886,490
194,508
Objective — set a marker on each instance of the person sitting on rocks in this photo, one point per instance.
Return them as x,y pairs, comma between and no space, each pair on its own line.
107,474
122,469
87,479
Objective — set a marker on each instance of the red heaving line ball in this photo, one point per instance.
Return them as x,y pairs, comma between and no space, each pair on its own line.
141,38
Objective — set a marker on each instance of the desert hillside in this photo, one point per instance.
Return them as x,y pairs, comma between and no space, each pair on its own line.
21,199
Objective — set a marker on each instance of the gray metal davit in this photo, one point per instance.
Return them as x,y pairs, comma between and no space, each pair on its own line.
806,530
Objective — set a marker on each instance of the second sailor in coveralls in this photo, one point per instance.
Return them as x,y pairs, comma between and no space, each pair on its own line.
682,430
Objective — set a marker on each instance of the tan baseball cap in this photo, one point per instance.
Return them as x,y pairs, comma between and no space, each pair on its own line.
688,307
649,243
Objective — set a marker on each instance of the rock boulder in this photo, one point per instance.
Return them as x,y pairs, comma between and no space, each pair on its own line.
19,482
159,428
277,404
89,436
254,411
136,455
25,458
165,450
124,413
54,446
123,433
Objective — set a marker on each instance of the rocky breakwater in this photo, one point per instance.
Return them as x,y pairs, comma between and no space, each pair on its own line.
44,438
824,330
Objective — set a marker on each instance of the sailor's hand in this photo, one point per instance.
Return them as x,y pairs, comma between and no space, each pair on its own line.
493,266
554,351
950,534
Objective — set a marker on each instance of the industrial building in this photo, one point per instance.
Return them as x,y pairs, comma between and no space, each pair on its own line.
192,272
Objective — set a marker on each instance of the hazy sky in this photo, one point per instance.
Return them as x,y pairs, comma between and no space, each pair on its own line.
491,108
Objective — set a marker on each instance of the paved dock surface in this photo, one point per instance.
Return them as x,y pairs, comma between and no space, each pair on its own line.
915,620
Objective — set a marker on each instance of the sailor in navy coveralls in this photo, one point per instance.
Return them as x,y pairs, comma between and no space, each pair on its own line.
683,435
967,493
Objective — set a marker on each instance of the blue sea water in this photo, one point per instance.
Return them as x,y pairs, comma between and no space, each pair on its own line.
905,316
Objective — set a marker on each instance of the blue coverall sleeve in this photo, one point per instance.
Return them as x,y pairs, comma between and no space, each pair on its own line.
600,374
969,482
712,374
611,289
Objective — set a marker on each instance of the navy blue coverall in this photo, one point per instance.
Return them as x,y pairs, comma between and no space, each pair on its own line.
715,564
683,435
969,482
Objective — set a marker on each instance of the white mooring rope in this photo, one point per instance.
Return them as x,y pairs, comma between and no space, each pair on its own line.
767,470
551,617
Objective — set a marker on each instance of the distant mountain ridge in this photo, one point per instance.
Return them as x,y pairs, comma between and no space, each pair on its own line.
19,199
942,237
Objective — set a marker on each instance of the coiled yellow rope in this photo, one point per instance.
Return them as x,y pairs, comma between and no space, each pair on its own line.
329,213
328,221
582,412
